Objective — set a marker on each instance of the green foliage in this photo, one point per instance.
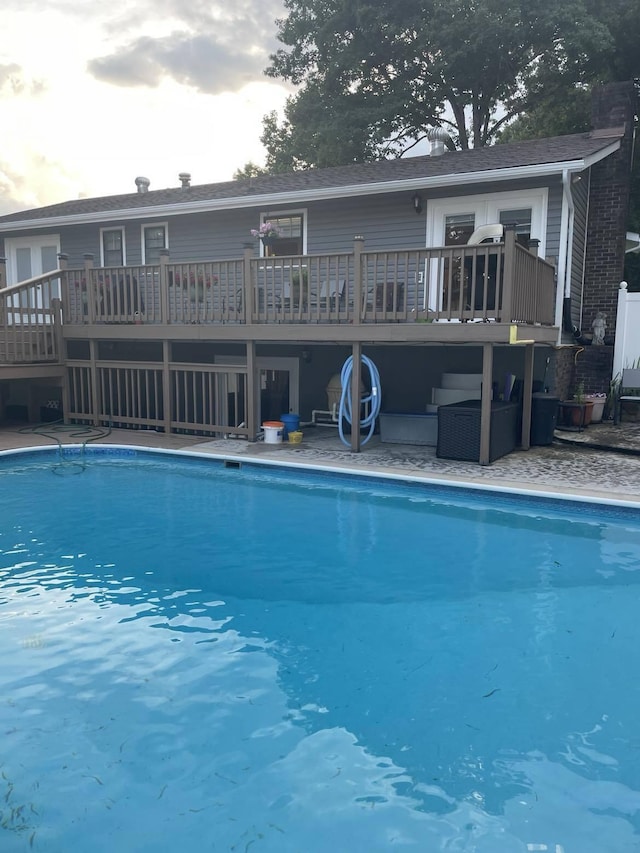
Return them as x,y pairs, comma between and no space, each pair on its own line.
561,110
374,76
249,170
298,276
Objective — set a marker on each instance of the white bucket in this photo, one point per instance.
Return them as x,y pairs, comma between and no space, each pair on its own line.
273,432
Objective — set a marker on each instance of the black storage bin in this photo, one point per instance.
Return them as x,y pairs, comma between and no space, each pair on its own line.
459,430
544,413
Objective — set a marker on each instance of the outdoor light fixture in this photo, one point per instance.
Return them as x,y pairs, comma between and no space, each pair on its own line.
306,356
417,202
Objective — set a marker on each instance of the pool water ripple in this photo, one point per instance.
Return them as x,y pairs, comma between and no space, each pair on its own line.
195,659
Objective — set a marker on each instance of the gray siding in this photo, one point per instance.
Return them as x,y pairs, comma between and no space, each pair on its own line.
387,222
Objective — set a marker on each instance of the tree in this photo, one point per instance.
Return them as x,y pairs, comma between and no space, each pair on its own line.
249,170
561,96
374,76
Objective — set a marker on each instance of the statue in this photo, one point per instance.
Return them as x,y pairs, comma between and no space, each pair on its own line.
599,325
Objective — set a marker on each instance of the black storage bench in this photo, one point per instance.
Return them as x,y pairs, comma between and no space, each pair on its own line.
459,430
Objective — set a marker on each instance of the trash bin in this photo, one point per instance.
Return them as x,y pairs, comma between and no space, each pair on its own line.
544,411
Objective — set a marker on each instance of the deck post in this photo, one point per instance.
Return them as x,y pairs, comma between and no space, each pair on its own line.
3,273
63,263
356,393
62,356
485,404
508,274
252,413
92,296
527,391
164,287
166,386
247,285
358,307
93,367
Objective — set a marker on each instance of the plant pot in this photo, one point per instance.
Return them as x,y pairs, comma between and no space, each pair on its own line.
598,401
577,413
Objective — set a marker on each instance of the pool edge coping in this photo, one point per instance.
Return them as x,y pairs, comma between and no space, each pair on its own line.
506,487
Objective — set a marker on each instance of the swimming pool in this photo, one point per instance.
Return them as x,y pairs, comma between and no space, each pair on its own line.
206,658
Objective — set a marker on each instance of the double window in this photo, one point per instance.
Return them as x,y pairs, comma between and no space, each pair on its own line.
113,247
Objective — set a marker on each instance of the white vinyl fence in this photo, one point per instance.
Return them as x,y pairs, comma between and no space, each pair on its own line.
626,352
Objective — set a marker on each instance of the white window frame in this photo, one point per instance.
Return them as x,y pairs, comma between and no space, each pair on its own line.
124,244
265,215
165,225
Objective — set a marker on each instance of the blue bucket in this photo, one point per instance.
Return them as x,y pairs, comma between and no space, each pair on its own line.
291,424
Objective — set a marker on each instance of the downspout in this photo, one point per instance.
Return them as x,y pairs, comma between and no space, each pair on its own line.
563,297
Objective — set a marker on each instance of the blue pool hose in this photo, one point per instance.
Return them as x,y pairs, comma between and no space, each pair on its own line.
374,398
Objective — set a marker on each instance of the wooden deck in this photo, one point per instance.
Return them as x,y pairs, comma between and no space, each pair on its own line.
487,295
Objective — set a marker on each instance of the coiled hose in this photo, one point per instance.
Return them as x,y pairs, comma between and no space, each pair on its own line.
374,398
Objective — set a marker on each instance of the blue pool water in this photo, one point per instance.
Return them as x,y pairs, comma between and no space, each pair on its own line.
196,658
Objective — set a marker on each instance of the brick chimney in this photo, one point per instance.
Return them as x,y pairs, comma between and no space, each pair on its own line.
613,106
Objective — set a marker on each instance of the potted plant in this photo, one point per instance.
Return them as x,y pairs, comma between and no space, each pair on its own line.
195,284
299,280
268,232
612,396
577,410
597,412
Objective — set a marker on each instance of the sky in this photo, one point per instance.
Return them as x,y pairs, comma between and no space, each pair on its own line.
94,95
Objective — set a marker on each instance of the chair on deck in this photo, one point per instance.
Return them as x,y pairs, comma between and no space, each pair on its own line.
120,298
629,381
330,295
493,233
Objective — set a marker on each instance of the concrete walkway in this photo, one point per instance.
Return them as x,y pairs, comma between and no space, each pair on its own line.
575,464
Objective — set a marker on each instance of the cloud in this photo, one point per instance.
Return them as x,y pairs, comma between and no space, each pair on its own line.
212,49
198,61
14,82
33,180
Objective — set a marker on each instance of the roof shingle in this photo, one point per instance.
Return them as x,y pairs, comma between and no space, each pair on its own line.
536,152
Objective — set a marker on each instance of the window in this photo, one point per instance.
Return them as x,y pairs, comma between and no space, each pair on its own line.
521,220
292,234
154,238
112,247
458,229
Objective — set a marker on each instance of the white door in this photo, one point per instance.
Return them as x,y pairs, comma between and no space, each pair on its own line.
451,222
28,257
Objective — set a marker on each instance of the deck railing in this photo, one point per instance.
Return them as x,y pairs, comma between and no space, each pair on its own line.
198,399
30,320
495,282
503,282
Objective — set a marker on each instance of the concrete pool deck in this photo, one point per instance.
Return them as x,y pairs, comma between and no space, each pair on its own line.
602,462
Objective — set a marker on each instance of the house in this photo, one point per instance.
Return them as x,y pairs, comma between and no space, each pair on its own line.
158,309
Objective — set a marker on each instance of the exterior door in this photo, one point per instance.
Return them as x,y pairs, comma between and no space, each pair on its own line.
277,388
452,221
28,257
